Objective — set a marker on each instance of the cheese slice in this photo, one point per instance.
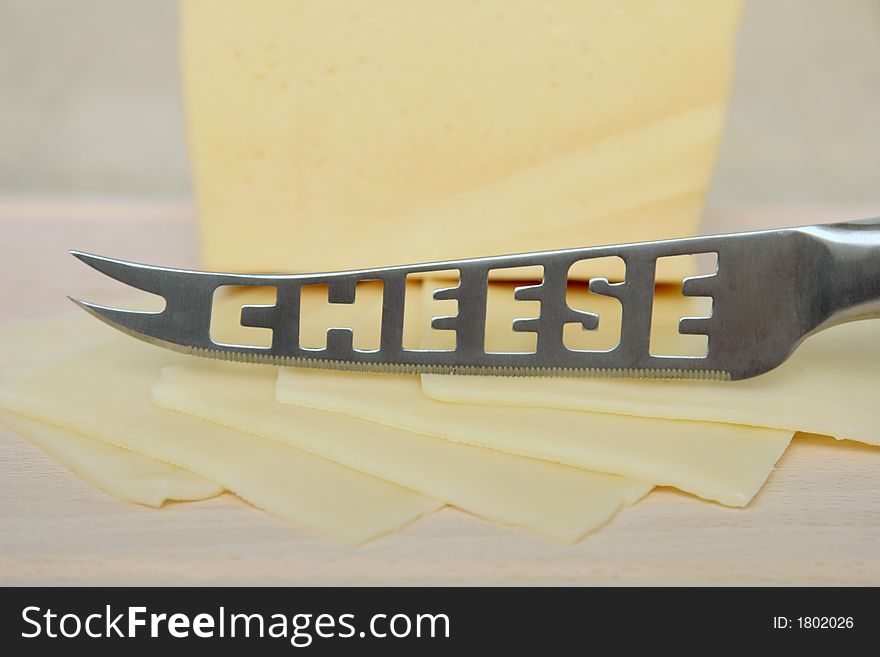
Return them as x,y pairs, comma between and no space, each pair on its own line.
715,461
27,343
119,472
552,500
328,136
103,393
828,386
719,462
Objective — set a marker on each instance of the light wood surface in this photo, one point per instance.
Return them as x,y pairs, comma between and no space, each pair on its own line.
817,521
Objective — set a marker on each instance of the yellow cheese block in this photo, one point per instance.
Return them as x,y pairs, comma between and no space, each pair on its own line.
104,393
552,500
119,472
335,135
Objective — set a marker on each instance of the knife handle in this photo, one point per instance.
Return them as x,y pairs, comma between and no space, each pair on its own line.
850,286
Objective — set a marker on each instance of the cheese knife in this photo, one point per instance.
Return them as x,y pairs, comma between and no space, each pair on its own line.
770,290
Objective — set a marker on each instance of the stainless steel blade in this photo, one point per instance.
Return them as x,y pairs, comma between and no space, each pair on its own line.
771,290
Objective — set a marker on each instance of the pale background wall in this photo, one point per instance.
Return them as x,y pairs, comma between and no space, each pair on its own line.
89,102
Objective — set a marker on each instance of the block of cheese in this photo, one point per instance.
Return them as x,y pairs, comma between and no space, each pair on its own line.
119,472
104,393
338,135
828,387
551,500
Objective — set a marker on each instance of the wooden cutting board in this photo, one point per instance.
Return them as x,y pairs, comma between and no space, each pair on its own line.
817,521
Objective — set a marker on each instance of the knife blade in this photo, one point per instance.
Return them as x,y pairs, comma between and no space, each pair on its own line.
770,290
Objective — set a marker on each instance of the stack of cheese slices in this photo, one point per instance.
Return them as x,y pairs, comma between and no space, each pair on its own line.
327,136
356,455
